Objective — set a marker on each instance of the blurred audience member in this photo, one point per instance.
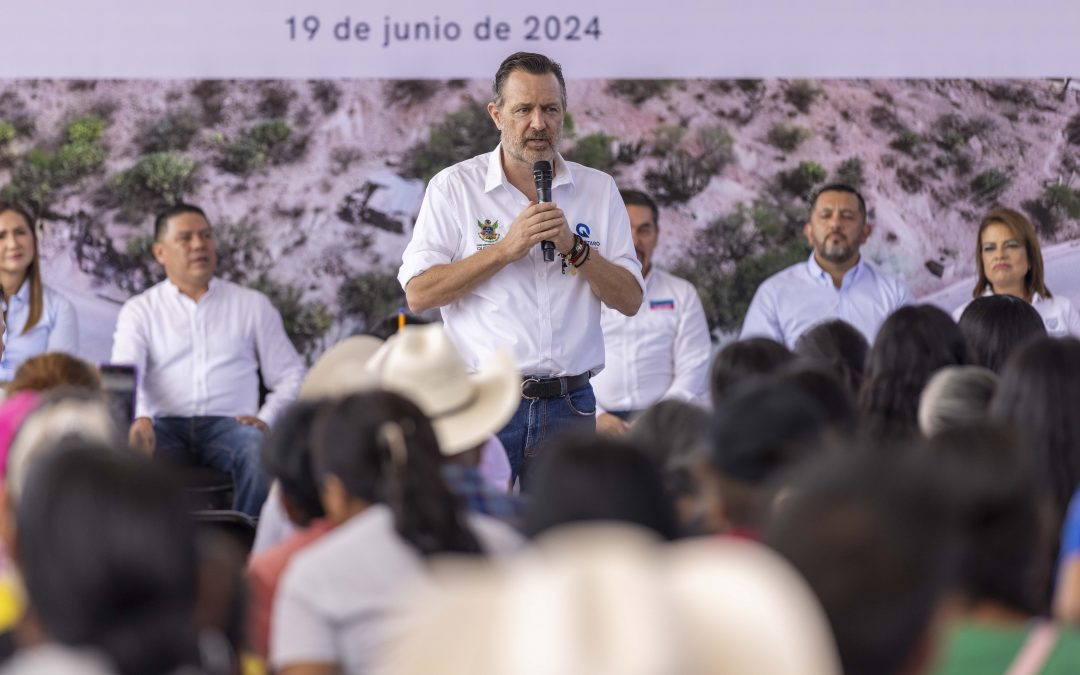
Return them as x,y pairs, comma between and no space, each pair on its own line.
38,318
1038,396
113,590
956,396
995,325
827,391
338,372
60,415
763,430
1006,562
466,409
913,344
838,346
673,434
377,461
1067,591
741,361
1004,569
606,599
871,533
598,479
287,457
44,372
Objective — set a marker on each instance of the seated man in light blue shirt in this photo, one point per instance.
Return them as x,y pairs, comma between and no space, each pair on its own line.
836,282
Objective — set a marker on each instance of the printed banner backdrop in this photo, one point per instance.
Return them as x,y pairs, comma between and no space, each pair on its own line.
269,39
312,177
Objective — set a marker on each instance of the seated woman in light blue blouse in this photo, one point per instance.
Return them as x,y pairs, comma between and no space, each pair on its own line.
38,318
1009,261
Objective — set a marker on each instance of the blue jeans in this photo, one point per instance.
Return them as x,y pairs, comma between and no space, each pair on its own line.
537,421
221,443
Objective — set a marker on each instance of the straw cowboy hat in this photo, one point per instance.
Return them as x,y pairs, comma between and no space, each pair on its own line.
466,409
340,370
609,599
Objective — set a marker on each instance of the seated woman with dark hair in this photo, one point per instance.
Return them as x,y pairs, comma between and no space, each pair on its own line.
1009,262
377,462
914,343
838,346
742,361
995,325
106,549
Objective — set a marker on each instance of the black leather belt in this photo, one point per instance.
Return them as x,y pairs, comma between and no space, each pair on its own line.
552,387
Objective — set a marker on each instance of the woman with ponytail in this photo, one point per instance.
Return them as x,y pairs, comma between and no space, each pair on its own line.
377,459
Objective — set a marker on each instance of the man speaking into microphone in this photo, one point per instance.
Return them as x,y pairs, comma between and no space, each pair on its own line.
476,253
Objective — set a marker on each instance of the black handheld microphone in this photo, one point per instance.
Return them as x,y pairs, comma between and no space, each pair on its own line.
542,178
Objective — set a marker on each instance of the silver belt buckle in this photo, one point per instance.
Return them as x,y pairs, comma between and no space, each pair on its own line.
525,382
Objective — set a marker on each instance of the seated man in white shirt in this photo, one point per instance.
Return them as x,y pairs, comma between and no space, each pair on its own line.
198,344
835,283
662,352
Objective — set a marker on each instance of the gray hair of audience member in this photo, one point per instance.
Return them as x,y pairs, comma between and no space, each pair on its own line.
838,346
956,396
61,415
744,360
608,599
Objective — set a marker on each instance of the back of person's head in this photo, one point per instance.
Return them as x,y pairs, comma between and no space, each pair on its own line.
826,389
995,325
871,534
670,430
106,550
1006,550
380,448
744,360
914,342
287,457
956,396
673,434
838,346
609,600
765,428
60,415
597,479
54,370
1038,396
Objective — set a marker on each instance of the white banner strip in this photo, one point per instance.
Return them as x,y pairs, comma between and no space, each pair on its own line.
592,38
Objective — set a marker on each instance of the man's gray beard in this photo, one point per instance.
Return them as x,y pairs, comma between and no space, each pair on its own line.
837,256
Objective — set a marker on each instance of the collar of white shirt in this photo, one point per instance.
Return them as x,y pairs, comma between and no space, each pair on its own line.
497,177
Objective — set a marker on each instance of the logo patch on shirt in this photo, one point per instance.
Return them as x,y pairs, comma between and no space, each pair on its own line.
488,229
668,304
583,230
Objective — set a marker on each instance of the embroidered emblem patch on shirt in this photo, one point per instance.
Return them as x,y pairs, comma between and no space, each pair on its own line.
488,230
662,304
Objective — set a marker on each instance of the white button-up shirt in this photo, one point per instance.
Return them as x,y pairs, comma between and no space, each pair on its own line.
1058,314
549,320
194,359
662,352
56,331
793,300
